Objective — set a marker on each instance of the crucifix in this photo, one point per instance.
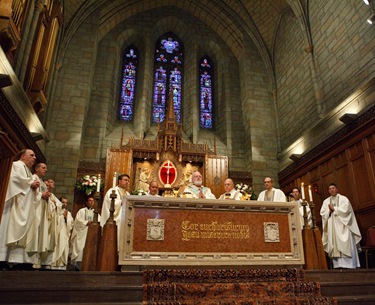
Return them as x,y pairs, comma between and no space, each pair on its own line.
168,173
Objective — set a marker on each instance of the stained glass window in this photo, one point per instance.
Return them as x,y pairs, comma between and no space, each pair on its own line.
128,83
205,90
168,68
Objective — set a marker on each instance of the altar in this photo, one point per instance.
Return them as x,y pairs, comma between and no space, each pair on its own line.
160,231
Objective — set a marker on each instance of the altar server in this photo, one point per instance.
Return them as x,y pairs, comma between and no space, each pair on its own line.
296,198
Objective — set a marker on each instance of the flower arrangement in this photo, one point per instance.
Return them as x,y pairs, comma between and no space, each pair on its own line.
139,193
88,184
246,191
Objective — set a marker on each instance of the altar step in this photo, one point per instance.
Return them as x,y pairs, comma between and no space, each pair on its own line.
347,286
70,287
114,288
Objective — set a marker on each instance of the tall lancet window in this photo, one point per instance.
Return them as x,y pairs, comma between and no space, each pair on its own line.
128,83
205,90
168,69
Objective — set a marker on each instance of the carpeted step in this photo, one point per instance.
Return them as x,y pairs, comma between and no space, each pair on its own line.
278,301
240,287
257,290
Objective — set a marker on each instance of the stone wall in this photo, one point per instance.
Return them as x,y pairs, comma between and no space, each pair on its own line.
67,111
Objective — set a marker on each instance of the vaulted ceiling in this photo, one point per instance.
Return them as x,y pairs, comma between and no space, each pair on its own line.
231,19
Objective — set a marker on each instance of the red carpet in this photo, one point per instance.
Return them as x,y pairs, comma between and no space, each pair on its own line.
229,287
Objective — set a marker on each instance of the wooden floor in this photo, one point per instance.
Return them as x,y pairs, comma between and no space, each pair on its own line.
73,287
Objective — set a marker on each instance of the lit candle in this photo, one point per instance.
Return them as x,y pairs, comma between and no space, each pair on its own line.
310,194
114,179
303,190
98,184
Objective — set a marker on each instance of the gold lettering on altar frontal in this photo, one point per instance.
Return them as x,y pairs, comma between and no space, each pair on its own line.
214,230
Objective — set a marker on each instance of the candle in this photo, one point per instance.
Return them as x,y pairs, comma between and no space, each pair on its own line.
303,190
98,184
310,194
114,179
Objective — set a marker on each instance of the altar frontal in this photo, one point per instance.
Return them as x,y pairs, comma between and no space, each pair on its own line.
158,231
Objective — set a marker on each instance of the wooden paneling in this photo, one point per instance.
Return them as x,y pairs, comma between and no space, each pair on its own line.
349,161
360,180
370,143
342,180
327,167
5,169
216,171
119,161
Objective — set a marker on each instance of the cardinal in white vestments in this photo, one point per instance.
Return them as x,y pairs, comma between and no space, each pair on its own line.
121,191
196,189
19,211
341,235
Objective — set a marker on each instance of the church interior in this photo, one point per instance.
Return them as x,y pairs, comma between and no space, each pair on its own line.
244,89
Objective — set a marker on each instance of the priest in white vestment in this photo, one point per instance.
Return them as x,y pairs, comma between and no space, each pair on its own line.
121,191
83,219
296,198
40,243
196,189
271,193
153,189
54,210
64,228
19,211
341,235
230,191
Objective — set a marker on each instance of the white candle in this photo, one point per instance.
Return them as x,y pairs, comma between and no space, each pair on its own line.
114,179
98,184
310,194
303,190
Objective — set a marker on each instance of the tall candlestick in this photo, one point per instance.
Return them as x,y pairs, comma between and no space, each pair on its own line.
114,179
310,193
98,184
303,190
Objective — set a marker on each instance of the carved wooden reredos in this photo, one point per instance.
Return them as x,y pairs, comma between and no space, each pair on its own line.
167,160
